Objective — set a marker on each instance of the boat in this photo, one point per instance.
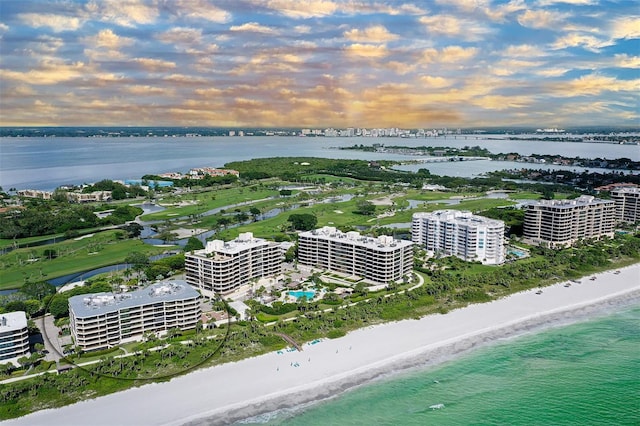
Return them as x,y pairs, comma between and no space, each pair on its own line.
539,291
567,285
436,406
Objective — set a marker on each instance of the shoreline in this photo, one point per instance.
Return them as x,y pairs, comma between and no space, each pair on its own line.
271,382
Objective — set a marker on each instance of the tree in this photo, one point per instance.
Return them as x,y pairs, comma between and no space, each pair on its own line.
254,212
547,193
224,222
361,288
241,217
193,244
59,306
38,290
366,208
50,254
303,222
133,229
290,254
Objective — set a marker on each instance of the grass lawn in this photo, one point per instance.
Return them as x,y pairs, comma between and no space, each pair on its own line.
205,201
102,249
525,196
28,240
325,212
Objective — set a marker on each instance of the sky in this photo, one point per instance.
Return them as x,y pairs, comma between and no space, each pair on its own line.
320,63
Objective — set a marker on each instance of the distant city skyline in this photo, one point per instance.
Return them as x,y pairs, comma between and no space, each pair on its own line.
320,63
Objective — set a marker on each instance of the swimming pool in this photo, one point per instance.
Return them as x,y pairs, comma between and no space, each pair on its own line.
298,294
518,253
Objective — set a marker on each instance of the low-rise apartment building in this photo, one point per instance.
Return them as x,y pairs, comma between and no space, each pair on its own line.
627,200
221,267
88,197
104,320
461,234
562,223
35,193
14,337
380,260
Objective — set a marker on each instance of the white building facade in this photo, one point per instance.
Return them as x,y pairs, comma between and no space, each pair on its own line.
380,260
105,320
562,223
221,267
627,201
461,234
14,337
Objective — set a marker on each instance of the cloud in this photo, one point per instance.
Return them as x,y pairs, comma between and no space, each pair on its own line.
587,42
541,18
455,27
297,9
153,65
198,9
147,90
572,2
513,66
47,73
253,27
57,23
523,50
623,60
501,103
181,36
431,82
109,40
374,34
552,72
125,13
594,85
449,54
106,45
366,50
626,28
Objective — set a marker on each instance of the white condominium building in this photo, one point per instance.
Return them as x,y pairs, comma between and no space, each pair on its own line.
104,320
14,337
461,234
221,267
380,260
627,202
561,223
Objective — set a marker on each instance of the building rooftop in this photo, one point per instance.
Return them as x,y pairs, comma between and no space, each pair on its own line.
626,190
16,320
244,241
458,216
583,200
89,305
382,243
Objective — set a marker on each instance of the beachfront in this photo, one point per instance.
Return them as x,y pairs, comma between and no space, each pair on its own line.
221,394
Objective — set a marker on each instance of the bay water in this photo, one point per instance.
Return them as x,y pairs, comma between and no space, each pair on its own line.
586,373
46,163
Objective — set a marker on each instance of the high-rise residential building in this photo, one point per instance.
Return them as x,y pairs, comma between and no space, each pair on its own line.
379,260
561,223
104,320
222,267
14,337
461,234
627,202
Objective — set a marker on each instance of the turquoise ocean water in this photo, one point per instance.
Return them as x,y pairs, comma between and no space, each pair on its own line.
586,373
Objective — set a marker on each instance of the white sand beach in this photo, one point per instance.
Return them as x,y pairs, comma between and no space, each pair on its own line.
225,393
